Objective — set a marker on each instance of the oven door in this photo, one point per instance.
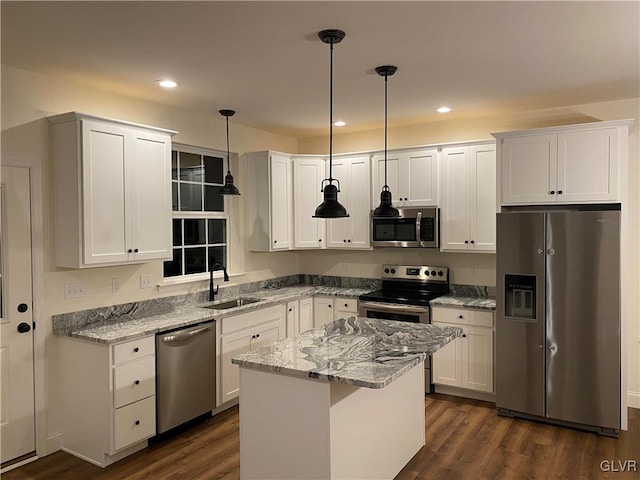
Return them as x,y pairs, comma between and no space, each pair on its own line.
394,311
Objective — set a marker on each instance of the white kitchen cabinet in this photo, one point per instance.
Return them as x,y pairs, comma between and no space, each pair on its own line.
299,316
354,175
108,398
344,307
244,333
568,164
270,201
468,207
322,311
308,173
112,191
412,177
468,361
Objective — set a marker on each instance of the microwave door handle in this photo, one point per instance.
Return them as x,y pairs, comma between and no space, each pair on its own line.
418,223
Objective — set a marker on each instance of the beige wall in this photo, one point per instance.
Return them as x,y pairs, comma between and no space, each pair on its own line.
28,98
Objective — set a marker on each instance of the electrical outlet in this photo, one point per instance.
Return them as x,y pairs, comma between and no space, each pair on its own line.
74,290
474,271
115,285
145,281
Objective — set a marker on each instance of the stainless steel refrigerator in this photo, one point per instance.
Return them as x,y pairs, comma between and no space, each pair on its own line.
558,318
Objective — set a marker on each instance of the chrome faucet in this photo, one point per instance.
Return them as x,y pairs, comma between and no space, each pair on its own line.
216,266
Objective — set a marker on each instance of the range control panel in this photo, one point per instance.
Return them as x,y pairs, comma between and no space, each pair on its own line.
422,273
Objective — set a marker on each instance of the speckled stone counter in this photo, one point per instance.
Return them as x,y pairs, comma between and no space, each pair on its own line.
358,351
125,322
479,303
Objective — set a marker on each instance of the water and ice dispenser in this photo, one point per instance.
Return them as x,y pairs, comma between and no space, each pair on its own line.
520,296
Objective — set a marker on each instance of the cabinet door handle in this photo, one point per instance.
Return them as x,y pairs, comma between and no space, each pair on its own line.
349,241
258,335
291,309
136,350
464,335
329,306
129,251
319,239
473,241
135,250
137,422
275,241
137,382
552,192
460,316
559,192
346,305
345,241
466,241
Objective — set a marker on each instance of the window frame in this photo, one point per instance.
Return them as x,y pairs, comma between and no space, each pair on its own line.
190,214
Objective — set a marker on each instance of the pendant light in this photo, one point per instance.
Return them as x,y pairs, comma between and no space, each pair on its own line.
229,188
330,207
386,208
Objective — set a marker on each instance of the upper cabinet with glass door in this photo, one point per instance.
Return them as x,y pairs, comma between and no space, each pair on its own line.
112,191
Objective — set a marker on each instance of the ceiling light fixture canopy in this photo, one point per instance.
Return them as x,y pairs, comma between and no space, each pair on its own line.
386,208
330,207
229,188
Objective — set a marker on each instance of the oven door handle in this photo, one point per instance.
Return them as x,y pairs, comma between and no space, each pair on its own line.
418,225
392,307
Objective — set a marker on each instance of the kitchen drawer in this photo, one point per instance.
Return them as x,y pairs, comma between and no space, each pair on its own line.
462,316
134,423
134,381
251,319
346,304
141,347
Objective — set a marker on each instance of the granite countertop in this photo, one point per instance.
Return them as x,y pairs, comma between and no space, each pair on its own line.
480,303
110,331
358,351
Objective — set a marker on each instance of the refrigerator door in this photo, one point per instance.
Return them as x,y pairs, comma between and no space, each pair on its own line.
583,317
520,334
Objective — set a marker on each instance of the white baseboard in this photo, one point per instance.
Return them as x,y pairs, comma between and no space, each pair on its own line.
53,444
633,399
463,392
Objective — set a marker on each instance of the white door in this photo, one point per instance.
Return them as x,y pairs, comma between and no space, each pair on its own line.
359,203
16,349
338,229
150,189
421,176
393,178
281,211
308,174
477,359
447,362
482,207
454,223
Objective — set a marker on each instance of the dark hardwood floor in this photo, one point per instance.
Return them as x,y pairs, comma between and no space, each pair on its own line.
465,439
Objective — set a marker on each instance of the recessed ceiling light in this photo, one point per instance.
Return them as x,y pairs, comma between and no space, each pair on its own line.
443,109
167,83
340,123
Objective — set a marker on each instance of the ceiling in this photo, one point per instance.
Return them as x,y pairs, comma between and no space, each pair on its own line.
264,59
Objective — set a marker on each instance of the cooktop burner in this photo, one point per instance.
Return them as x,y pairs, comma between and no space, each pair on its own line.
410,285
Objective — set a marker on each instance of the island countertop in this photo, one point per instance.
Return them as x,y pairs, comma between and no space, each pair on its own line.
358,351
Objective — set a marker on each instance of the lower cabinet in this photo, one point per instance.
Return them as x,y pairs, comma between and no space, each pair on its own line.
468,361
344,307
299,316
108,398
244,333
322,311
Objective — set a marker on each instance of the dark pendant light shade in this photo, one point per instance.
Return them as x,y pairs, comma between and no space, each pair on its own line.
330,207
229,188
386,208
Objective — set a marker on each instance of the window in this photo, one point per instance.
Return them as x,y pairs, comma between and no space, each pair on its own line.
200,234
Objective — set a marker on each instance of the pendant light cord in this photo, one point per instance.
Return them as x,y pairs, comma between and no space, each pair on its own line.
386,186
331,113
228,155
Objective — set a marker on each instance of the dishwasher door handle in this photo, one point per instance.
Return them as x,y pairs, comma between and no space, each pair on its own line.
184,335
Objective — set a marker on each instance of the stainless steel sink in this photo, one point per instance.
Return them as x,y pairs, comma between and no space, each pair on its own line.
236,302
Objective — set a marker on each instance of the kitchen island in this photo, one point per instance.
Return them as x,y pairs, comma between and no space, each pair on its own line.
342,402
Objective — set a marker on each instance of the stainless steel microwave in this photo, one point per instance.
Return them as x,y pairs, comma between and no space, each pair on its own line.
415,227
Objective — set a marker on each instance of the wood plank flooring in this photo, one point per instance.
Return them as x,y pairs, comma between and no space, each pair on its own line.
465,439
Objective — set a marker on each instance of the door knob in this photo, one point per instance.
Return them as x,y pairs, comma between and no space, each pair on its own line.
24,327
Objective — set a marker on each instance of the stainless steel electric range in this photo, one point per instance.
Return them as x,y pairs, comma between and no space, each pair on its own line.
405,295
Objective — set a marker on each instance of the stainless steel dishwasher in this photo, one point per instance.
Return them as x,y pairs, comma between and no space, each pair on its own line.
185,374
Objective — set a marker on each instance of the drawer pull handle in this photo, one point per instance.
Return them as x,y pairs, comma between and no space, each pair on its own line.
346,305
137,382
460,316
136,350
464,335
137,422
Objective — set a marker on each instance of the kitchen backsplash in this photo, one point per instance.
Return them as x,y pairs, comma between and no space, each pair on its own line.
135,310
